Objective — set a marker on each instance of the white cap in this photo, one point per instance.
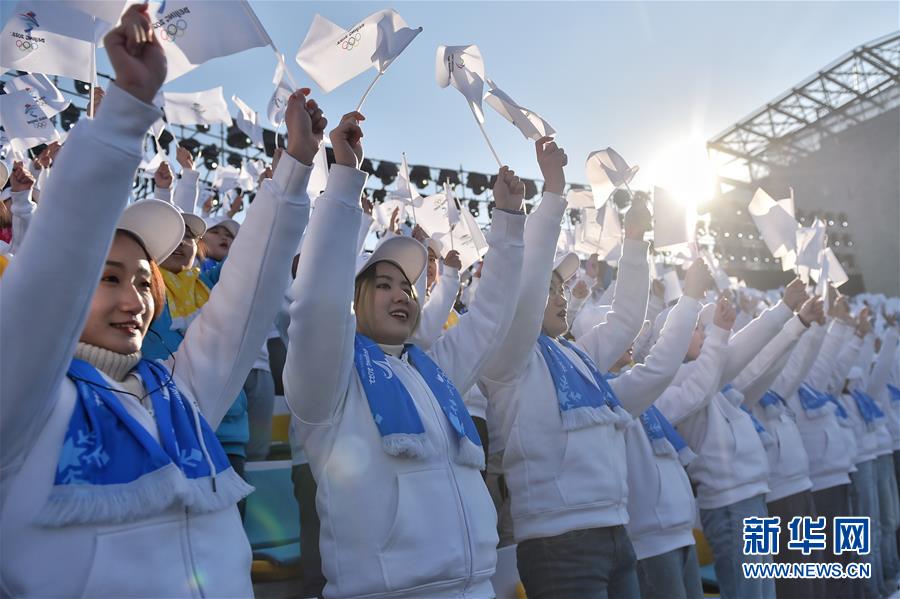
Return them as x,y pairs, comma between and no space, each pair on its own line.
221,220
4,173
194,223
405,253
566,265
434,245
157,224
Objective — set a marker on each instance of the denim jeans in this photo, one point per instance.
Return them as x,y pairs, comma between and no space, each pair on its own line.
594,563
671,575
864,496
887,504
724,529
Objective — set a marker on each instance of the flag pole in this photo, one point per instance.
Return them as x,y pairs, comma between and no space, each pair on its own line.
262,31
484,133
93,78
368,89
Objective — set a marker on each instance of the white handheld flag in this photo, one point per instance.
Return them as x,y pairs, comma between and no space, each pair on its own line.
580,198
531,125
248,121
382,213
810,241
776,226
674,222
194,31
106,11
463,68
42,90
49,37
830,269
452,208
206,107
283,90
25,122
332,55
606,171
467,239
404,189
673,286
318,178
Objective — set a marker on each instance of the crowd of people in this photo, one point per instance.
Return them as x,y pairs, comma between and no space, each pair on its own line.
555,403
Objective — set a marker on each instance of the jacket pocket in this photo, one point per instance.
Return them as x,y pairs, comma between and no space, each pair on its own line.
427,515
593,469
675,503
147,560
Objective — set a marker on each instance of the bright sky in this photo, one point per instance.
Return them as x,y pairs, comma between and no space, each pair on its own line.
654,80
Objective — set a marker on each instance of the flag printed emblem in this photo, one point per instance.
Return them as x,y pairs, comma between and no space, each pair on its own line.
352,40
25,42
171,26
30,20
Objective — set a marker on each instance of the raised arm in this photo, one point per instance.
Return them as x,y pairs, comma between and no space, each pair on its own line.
639,387
162,181
188,189
800,361
750,340
221,345
697,382
22,207
541,236
437,309
464,349
322,328
38,331
882,371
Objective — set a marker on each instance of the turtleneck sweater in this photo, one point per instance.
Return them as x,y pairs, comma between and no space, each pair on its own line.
114,365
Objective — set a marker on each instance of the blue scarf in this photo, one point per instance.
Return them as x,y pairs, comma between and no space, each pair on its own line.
894,391
867,407
764,435
111,469
813,401
393,409
582,401
772,404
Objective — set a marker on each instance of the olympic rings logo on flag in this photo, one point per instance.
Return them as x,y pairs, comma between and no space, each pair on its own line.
27,45
174,30
352,41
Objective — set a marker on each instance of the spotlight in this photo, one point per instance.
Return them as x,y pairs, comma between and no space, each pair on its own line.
420,176
449,177
574,216
477,182
621,198
726,234
473,207
269,142
235,160
378,196
366,166
165,138
387,172
237,138
82,87
203,128
490,209
191,145
211,157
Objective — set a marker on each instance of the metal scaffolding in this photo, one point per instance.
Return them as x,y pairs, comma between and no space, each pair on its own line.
860,85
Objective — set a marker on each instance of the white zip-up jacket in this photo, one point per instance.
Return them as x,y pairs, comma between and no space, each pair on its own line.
823,436
876,386
559,480
731,463
661,504
437,308
391,526
176,553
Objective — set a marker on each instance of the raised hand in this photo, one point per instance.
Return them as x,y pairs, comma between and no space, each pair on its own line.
136,54
184,158
97,99
812,310
725,314
863,322
419,234
305,125
509,191
580,291
637,219
841,311
697,280
367,205
795,294
237,204
452,260
394,225
551,159
163,175
20,179
346,140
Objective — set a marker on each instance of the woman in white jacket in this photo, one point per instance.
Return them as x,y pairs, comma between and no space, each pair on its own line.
113,483
404,511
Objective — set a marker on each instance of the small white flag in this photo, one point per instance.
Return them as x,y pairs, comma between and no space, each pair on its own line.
810,241
332,55
107,12
318,178
673,286
580,198
206,107
195,31
42,90
468,240
248,121
606,172
383,211
151,165
433,215
25,122
830,269
452,207
776,226
281,94
463,68
674,222
50,37
229,177
531,125
404,190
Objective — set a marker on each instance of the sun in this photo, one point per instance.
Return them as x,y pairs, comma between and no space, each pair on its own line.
683,168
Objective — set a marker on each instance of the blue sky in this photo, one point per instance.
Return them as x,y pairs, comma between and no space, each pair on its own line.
653,80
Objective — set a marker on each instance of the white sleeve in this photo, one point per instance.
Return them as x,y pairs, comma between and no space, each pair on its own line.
800,361
750,340
607,341
820,374
692,392
187,191
66,248
323,327
437,309
364,226
754,380
882,371
639,387
163,193
22,209
222,343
